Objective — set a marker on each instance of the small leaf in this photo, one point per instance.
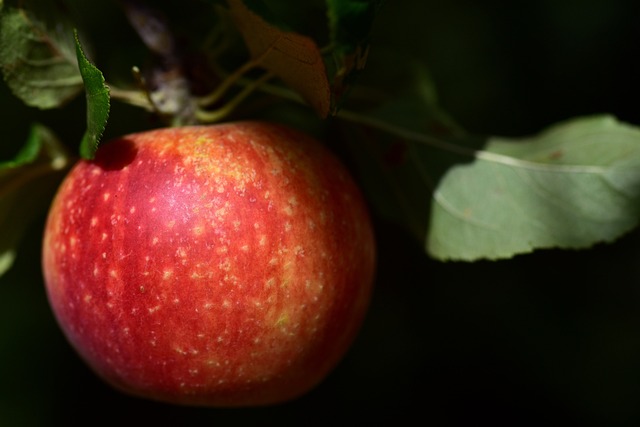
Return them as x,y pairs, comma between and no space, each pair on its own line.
36,61
27,184
98,103
293,57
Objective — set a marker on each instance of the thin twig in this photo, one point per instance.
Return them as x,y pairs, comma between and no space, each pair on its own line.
232,79
220,113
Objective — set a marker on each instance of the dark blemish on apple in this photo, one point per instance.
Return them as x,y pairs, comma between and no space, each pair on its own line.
115,155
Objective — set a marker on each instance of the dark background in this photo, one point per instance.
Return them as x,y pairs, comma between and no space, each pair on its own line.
550,338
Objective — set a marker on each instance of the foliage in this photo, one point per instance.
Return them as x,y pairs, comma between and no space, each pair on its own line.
25,183
465,196
36,61
97,103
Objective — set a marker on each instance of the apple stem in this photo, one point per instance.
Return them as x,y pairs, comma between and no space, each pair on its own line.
142,84
220,113
139,98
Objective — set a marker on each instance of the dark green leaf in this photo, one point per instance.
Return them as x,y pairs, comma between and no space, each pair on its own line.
37,63
98,103
27,184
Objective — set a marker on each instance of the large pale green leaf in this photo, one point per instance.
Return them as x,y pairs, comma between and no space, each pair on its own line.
27,184
98,103
36,61
468,198
571,186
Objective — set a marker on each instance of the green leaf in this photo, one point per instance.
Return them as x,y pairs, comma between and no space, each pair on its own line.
27,184
98,103
36,62
571,186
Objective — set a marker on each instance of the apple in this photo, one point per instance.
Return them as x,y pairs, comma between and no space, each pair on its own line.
220,265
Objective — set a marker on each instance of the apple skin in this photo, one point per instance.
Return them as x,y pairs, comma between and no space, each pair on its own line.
223,265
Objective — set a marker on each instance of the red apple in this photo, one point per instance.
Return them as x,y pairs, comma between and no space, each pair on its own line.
225,265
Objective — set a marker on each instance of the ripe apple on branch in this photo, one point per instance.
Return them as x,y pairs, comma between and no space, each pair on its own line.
212,265
226,258
221,265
